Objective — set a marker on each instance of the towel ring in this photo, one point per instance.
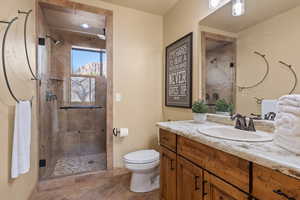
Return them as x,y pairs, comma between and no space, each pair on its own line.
294,73
264,77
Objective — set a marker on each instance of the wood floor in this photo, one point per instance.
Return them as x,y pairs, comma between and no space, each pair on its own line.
107,188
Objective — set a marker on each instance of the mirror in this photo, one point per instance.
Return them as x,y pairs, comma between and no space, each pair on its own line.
251,60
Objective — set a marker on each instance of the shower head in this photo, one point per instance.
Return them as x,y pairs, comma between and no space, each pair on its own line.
56,42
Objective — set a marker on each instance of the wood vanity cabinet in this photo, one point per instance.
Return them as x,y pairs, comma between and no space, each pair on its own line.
181,179
193,171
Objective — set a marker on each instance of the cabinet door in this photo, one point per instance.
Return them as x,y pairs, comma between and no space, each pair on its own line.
270,184
216,189
168,174
189,180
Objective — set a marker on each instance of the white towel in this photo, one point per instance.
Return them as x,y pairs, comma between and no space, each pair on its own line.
287,123
294,97
289,109
22,139
289,102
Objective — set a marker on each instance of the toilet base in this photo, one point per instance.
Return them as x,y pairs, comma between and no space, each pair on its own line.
145,182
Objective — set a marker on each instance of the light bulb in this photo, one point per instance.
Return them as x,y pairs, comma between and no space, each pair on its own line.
238,7
214,3
85,26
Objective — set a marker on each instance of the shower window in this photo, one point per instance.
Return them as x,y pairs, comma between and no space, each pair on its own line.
86,66
87,62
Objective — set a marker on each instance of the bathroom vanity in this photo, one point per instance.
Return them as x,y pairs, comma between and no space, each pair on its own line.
197,167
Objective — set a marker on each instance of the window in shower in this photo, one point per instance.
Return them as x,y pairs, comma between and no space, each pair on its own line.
86,66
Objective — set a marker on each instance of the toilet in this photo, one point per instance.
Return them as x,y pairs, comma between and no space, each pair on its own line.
144,166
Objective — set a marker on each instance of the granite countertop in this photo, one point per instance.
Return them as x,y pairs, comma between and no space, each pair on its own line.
266,154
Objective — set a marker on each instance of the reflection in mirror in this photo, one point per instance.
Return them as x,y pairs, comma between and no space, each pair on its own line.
271,32
219,72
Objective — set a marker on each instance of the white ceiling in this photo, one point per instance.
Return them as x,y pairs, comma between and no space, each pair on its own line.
256,12
70,20
159,7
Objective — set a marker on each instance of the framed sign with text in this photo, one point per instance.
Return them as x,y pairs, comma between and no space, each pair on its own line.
179,66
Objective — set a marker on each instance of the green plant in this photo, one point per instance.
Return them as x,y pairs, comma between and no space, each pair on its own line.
199,107
223,106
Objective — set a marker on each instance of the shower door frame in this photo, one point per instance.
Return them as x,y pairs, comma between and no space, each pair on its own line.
109,50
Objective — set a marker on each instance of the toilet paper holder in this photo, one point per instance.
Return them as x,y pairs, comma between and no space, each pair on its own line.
116,131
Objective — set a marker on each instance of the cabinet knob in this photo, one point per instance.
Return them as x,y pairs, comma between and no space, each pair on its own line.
204,189
197,183
172,164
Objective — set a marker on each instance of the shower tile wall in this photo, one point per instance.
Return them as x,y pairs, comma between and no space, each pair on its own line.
220,73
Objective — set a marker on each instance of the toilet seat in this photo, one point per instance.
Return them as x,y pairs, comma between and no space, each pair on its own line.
142,157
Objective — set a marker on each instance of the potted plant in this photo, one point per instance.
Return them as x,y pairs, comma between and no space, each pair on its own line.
223,108
199,109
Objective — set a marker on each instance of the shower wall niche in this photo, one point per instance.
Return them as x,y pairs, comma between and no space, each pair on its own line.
72,102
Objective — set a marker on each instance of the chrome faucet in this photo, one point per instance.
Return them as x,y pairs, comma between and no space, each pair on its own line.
241,123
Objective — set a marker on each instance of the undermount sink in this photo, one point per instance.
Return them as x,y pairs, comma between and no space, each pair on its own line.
233,134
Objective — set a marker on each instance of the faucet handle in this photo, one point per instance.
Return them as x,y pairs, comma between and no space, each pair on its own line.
251,126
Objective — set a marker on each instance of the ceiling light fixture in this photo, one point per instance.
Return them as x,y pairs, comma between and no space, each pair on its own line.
85,26
214,4
238,7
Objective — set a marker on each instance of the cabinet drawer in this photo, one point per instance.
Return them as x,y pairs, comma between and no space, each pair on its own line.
269,184
228,167
167,139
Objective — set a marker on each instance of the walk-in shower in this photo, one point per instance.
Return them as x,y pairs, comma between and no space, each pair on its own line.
72,92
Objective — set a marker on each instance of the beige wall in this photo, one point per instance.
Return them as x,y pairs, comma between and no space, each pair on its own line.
278,38
24,88
182,19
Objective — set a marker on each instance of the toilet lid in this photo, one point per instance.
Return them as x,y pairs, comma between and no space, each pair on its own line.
142,157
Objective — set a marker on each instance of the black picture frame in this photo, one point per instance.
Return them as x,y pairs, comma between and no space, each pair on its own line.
179,73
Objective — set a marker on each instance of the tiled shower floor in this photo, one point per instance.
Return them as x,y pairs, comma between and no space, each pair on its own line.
79,164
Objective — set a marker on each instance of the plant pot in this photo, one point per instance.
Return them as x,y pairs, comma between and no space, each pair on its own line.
223,113
199,117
